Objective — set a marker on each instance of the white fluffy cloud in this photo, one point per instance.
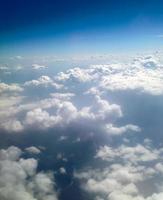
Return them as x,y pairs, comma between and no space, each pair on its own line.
63,112
138,153
19,178
127,168
66,113
44,81
144,74
100,114
41,119
75,74
12,124
70,105
110,129
81,101
10,88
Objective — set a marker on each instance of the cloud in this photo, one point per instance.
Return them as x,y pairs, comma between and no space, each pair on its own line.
40,119
12,124
159,167
19,178
33,150
4,88
127,169
134,75
110,129
60,156
44,81
18,57
84,104
76,74
62,96
134,154
81,97
4,68
37,66
62,138
67,113
62,170
8,110
100,114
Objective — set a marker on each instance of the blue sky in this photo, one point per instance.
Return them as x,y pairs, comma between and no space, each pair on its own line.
80,27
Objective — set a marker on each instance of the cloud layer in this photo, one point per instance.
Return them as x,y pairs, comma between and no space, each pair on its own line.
19,178
124,164
129,170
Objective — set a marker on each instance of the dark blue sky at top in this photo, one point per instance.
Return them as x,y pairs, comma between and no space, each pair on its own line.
75,25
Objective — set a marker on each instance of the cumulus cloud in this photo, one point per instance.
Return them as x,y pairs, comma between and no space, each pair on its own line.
8,110
10,88
67,113
63,112
19,178
41,119
8,120
110,129
82,102
134,154
133,75
127,168
33,150
76,74
12,124
43,81
70,105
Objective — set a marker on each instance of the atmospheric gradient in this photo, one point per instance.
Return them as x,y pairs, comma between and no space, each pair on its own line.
81,100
